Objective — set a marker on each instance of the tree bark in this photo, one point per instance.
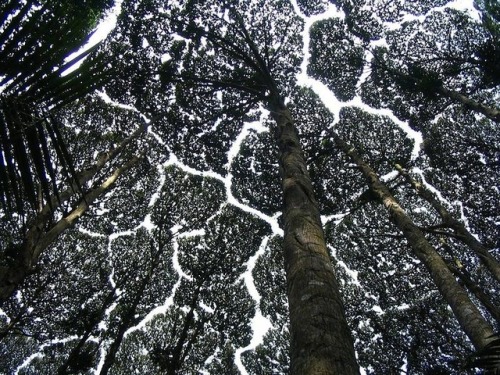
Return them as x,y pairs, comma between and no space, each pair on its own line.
469,317
459,228
321,341
482,297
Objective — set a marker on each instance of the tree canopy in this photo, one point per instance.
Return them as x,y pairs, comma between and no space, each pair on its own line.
219,186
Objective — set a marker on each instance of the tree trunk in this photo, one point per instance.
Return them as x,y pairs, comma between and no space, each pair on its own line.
109,360
482,297
77,350
178,353
126,322
491,113
129,317
467,314
321,341
460,230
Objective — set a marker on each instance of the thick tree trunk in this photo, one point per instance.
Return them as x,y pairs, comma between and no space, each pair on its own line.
37,240
321,341
459,228
467,314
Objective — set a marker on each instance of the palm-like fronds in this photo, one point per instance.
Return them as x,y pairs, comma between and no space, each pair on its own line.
35,39
488,358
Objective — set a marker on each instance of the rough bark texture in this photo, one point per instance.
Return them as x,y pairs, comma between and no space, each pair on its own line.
459,228
321,341
37,239
467,314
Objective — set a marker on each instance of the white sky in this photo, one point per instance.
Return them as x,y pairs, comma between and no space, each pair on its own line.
101,32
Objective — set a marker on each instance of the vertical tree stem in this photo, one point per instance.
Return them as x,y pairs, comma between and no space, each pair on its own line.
468,315
321,341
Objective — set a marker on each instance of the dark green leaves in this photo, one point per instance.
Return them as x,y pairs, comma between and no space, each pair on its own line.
336,60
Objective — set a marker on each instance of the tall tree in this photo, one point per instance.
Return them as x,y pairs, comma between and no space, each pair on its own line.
320,337
476,327
450,222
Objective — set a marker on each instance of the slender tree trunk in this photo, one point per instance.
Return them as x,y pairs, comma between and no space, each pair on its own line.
321,341
37,240
476,290
109,360
178,353
129,316
491,113
460,230
76,351
467,314
127,320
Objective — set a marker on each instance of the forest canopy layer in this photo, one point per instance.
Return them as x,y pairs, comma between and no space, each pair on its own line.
249,187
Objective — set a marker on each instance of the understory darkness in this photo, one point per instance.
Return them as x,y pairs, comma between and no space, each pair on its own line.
249,187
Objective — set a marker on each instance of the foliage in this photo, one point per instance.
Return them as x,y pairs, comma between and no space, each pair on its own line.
158,274
338,68
39,46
